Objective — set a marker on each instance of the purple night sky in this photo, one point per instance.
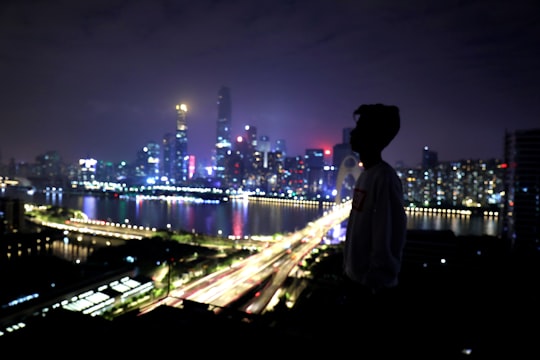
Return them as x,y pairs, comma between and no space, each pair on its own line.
102,78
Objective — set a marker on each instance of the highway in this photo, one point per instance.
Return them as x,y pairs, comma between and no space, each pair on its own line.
269,267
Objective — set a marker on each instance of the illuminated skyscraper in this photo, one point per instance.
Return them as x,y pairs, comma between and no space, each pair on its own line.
181,155
147,164
223,139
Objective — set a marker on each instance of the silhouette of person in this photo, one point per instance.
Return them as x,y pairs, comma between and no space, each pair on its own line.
377,224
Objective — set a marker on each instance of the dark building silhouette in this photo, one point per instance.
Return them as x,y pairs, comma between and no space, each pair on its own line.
12,217
167,164
223,135
314,159
235,164
521,214
430,158
342,150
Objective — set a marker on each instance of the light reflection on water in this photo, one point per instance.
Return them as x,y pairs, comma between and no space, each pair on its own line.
238,218
460,224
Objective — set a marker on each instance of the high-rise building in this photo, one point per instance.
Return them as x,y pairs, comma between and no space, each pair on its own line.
264,144
49,170
294,180
181,156
168,154
12,215
430,158
147,164
87,170
223,136
314,159
343,150
264,147
281,146
250,136
235,163
521,208
250,140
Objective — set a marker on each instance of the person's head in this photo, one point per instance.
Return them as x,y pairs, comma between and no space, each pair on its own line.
376,126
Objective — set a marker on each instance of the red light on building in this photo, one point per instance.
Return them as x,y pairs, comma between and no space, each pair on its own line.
191,166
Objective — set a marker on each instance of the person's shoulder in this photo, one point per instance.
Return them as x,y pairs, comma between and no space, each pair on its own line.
386,171
385,167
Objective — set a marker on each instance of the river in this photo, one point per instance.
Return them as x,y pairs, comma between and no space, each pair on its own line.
238,218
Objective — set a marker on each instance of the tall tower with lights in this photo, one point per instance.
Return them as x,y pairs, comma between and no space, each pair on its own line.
181,156
223,138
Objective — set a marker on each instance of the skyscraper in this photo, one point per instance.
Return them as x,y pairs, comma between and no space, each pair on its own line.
168,154
250,136
315,167
521,213
181,142
223,138
147,165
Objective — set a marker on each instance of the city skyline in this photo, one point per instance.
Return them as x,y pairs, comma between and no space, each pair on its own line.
102,79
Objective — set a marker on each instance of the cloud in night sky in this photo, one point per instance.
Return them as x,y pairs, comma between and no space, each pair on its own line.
102,78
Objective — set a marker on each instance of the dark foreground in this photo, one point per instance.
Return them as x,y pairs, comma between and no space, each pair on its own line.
481,303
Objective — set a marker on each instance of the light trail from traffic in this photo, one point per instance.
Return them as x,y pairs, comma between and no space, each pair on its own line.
277,260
